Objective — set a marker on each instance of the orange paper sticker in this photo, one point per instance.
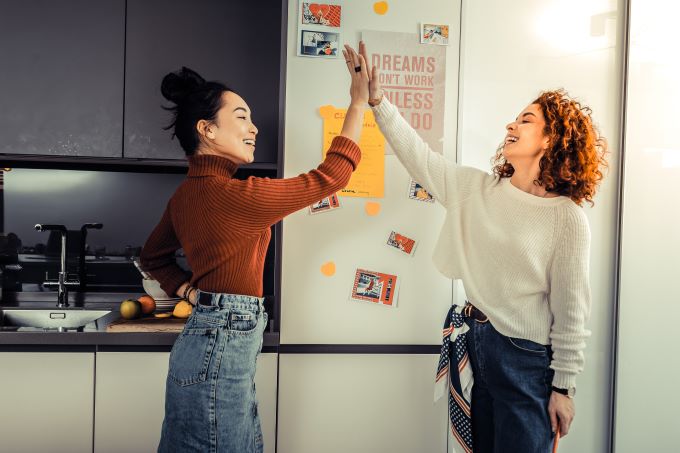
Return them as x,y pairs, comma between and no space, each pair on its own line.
328,269
380,7
372,208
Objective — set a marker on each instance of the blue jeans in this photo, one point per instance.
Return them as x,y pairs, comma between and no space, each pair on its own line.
511,391
210,401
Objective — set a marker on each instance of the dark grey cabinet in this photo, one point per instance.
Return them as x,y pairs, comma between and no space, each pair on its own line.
61,82
237,42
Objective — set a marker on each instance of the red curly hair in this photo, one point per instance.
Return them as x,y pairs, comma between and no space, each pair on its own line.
573,163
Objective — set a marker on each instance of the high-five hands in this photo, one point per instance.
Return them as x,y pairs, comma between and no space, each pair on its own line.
375,92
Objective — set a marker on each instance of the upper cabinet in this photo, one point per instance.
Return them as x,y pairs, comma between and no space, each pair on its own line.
82,78
61,88
237,42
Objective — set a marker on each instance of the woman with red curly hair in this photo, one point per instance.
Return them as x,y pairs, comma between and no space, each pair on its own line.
520,242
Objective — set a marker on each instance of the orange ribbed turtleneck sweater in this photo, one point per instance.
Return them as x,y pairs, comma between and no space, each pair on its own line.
223,224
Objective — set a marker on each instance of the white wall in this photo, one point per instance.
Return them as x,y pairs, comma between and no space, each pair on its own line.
648,371
510,52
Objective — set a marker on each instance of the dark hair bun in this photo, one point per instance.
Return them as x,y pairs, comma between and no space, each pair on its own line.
176,86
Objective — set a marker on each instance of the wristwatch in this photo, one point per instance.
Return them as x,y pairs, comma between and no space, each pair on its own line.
570,392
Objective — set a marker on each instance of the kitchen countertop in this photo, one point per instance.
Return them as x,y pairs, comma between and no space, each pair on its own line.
99,338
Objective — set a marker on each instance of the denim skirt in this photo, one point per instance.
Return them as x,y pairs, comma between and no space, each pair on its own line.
210,401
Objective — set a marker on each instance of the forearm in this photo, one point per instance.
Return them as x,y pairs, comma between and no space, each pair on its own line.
568,358
570,297
158,256
570,306
263,201
354,118
426,167
187,292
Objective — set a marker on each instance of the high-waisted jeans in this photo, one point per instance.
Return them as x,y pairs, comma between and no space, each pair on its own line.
210,401
511,392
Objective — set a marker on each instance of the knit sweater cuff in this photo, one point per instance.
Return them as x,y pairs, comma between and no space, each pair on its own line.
383,109
563,380
346,147
171,282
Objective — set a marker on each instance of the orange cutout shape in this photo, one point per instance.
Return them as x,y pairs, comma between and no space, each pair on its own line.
380,7
326,111
372,208
328,269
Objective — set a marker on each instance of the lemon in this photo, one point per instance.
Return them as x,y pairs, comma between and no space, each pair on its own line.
130,309
162,315
182,309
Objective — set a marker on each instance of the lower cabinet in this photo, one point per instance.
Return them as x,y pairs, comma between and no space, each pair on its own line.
337,403
363,403
46,402
130,398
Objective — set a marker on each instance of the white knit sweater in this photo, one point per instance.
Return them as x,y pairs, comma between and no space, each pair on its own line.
523,259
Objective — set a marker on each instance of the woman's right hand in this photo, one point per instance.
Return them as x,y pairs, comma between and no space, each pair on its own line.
375,91
358,90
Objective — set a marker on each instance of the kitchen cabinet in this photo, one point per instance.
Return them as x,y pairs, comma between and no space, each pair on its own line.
62,77
130,399
232,42
365,403
47,402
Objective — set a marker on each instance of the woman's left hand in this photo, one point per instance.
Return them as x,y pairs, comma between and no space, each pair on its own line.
561,410
358,90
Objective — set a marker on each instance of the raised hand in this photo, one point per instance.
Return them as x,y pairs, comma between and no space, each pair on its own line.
375,92
356,65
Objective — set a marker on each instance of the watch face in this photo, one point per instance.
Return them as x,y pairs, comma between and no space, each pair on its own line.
571,392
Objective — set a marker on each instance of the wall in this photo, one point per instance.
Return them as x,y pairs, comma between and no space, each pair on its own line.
648,369
510,52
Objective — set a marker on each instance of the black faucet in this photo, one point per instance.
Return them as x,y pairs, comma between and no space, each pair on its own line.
62,282
82,276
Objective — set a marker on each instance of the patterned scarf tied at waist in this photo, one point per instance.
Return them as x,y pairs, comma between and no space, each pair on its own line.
459,382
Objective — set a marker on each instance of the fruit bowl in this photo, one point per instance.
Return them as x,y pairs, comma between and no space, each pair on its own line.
153,288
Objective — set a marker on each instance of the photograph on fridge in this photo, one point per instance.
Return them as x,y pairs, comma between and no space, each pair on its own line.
401,242
434,34
375,287
326,204
319,44
321,14
418,192
319,29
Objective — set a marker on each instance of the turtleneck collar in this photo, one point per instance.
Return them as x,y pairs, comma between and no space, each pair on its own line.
211,165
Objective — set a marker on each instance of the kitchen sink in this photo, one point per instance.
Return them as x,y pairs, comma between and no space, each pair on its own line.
61,319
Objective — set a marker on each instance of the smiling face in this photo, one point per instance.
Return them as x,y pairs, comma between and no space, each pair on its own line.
232,134
525,141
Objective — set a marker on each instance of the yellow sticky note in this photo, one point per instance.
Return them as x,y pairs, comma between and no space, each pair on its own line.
368,180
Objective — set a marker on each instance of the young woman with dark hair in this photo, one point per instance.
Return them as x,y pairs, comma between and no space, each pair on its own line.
520,242
223,225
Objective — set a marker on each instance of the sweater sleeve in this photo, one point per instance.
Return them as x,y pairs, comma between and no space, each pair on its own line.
570,298
428,168
264,201
158,256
